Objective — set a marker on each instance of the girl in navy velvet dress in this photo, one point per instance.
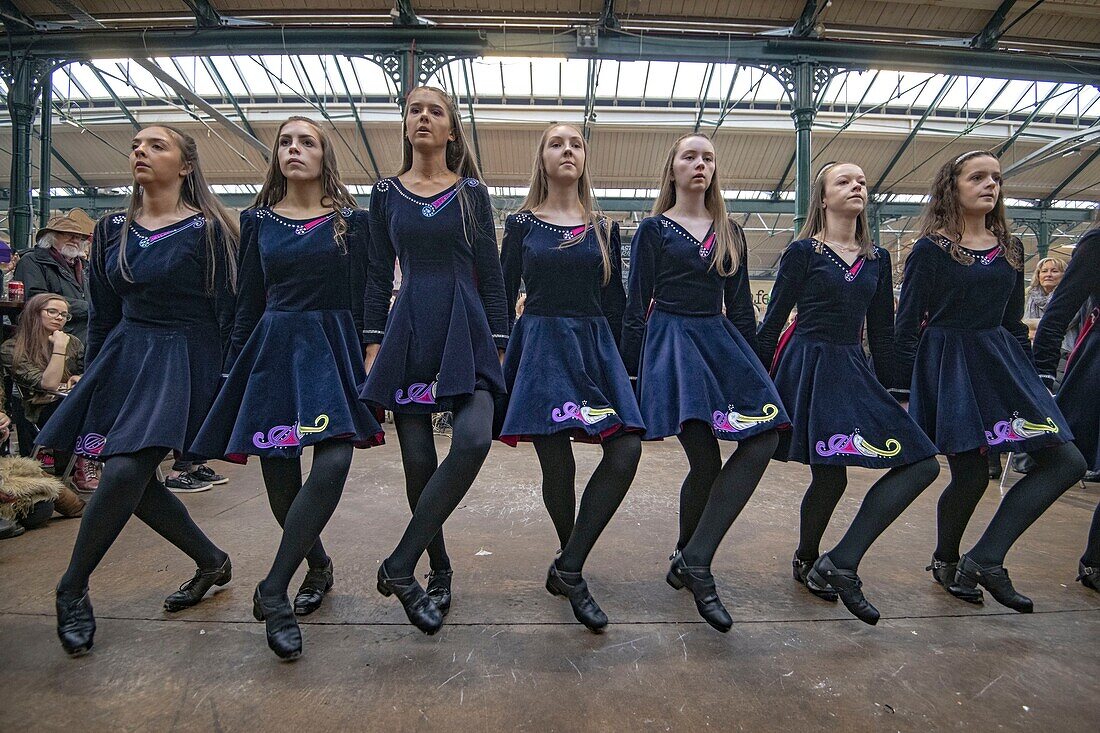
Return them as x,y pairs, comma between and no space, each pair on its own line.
841,412
440,347
563,371
974,388
161,292
295,363
1077,399
698,377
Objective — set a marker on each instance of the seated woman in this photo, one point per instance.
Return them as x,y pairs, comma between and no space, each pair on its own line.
45,362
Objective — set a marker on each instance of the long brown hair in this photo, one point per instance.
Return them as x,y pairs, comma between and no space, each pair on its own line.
334,194
943,214
460,158
593,217
816,224
194,194
32,340
729,239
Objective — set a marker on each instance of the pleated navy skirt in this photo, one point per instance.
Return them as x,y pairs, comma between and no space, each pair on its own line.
701,368
295,383
977,389
840,414
149,386
565,374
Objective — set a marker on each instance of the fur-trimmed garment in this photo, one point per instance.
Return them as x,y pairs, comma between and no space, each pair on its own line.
22,485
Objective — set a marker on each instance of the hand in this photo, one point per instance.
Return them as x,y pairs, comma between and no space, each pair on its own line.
73,380
500,355
369,355
59,341
5,427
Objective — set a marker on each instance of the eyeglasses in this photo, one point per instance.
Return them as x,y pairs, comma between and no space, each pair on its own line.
55,313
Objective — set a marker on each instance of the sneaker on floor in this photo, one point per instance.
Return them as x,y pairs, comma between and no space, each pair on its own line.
186,483
206,474
86,475
1093,477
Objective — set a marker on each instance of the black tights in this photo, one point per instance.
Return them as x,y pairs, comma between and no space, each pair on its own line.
1091,558
438,490
602,496
1056,469
884,503
303,509
713,495
128,487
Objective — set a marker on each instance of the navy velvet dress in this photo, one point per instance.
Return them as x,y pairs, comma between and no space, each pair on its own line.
1079,395
295,361
973,383
563,369
841,413
692,362
440,340
155,342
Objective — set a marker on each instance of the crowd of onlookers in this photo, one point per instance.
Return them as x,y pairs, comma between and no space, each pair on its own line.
42,358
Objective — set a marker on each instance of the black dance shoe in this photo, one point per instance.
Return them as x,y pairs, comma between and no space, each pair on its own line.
700,582
419,607
801,571
315,585
1089,577
670,577
193,590
75,622
994,578
847,585
439,589
944,574
573,587
283,635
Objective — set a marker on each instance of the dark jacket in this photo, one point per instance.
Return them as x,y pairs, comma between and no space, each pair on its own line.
41,273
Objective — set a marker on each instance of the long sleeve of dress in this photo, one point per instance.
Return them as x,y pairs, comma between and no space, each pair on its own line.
644,254
789,279
1013,319
738,299
490,281
1077,285
919,279
880,329
105,307
225,296
612,295
358,241
251,289
511,264
381,259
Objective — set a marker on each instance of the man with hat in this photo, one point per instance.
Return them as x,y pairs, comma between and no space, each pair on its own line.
57,264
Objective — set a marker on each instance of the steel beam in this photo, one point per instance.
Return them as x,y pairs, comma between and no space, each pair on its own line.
803,113
186,93
358,121
1055,149
24,75
929,110
45,145
656,46
121,105
987,37
804,26
1003,147
1069,179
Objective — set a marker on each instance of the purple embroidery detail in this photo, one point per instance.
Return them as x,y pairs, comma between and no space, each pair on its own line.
146,241
288,436
733,421
852,272
584,413
90,444
989,257
1016,429
311,225
853,444
575,232
430,210
420,393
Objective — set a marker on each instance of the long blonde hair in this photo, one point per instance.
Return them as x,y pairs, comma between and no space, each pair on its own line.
943,214
195,194
460,158
594,219
729,239
816,223
1059,264
334,194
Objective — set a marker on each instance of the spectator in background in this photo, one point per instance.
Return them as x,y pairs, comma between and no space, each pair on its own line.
45,362
8,260
56,265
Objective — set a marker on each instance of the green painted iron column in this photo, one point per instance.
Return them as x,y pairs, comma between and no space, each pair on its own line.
21,74
45,149
803,112
1042,234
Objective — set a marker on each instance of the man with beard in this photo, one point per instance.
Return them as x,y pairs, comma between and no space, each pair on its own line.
56,265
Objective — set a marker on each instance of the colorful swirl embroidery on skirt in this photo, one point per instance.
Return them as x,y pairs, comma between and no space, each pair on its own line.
420,393
288,436
855,444
1008,431
584,413
734,422
90,444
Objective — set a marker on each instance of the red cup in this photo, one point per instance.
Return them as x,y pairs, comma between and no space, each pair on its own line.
16,291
